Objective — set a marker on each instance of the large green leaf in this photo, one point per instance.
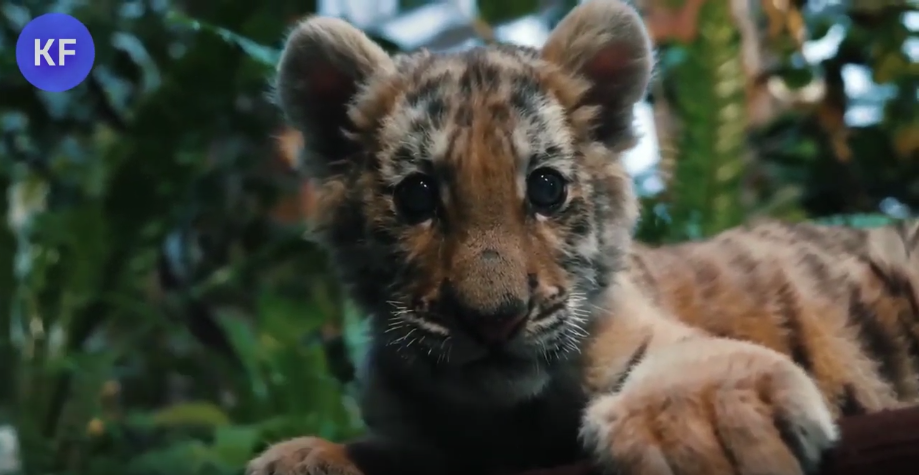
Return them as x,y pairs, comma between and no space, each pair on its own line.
234,445
495,12
264,55
193,413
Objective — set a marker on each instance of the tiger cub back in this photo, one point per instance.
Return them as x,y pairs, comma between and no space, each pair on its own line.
840,301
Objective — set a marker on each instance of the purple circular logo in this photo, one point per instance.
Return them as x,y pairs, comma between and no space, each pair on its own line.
55,52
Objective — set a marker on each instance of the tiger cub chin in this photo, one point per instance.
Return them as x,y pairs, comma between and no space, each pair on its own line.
477,208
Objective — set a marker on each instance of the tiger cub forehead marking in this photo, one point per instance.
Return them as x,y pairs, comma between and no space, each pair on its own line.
493,98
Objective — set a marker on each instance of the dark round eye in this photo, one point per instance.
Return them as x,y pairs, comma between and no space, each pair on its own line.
546,190
416,198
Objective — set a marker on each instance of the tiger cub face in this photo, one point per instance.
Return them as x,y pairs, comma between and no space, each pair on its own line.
474,202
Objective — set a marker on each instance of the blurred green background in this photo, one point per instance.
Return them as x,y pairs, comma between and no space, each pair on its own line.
162,313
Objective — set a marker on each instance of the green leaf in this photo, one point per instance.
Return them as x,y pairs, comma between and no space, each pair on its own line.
495,12
245,344
265,55
234,445
286,320
196,413
797,77
709,100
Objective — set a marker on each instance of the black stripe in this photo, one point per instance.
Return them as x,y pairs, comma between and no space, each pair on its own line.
549,311
850,405
634,360
913,241
429,88
853,240
525,97
820,274
789,309
739,258
791,436
403,156
577,219
498,113
902,230
581,226
706,275
644,273
722,441
789,431
893,286
899,287
462,117
812,234
604,270
790,312
773,234
908,321
875,338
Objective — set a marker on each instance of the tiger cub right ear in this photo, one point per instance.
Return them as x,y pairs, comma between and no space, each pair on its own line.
605,42
324,64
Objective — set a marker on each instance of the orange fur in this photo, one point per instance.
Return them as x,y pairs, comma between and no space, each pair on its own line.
304,455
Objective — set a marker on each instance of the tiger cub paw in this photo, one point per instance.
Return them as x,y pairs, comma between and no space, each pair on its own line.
303,456
723,407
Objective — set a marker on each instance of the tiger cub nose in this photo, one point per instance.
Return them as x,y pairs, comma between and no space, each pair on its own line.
495,327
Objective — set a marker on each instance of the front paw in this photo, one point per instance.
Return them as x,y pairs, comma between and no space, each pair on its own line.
722,407
303,456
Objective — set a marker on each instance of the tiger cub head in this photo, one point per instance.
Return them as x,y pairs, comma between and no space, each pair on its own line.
474,202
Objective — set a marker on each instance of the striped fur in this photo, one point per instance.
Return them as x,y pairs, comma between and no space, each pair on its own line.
687,392
841,302
733,355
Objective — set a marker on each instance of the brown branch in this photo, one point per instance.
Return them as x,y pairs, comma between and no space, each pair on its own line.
882,443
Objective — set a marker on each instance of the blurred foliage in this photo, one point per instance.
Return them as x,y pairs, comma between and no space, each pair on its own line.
165,315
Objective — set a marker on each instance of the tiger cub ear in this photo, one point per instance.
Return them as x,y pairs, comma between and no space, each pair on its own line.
605,42
324,64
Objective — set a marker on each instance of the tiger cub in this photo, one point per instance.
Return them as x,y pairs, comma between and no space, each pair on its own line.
476,207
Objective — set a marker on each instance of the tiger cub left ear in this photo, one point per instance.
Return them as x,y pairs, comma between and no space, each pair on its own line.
605,42
325,64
